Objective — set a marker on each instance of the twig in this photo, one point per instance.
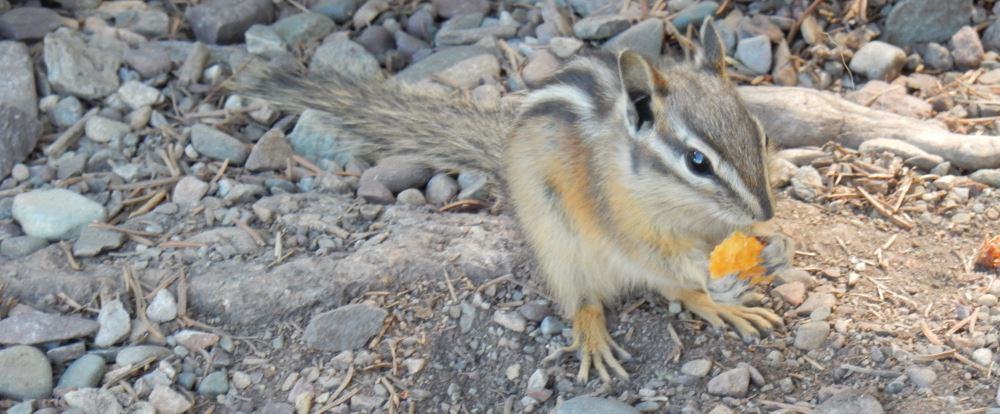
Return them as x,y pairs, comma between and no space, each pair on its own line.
460,204
69,255
144,184
868,371
798,22
70,135
883,211
150,205
931,336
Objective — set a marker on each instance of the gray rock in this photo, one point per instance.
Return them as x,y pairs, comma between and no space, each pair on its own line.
55,214
937,57
759,25
85,372
594,7
411,197
114,324
536,385
86,70
849,402
345,328
27,374
645,38
878,60
66,112
451,8
196,341
299,29
991,37
694,14
216,144
732,383
339,10
167,401
136,95
989,177
697,368
806,183
919,21
374,192
225,21
441,189
93,401
474,186
755,53
564,47
21,246
315,139
277,408
17,85
230,238
421,24
894,146
465,65
28,23
163,307
189,191
534,311
94,240
271,152
66,353
408,44
600,27
398,173
79,4
104,130
264,41
594,405
138,353
551,325
451,34
811,335
368,12
150,23
966,48
341,55
921,377
982,356
149,59
510,320
19,133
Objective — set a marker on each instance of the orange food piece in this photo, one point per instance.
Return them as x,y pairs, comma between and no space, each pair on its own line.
989,253
738,254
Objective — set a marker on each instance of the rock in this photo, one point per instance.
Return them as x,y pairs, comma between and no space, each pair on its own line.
551,325
989,177
27,374
149,23
697,368
539,68
411,197
149,59
896,147
196,341
28,328
345,328
19,133
231,239
67,112
55,214
755,53
811,335
801,156
189,191
93,401
79,4
645,38
313,139
694,14
264,41
95,240
163,307
991,37
339,10
937,57
214,384
441,189
17,85
966,49
368,12
564,47
374,192
85,372
919,21
510,320
600,27
815,301
21,246
28,23
85,70
732,383
167,401
136,95
114,324
464,29
921,377
783,71
225,21
536,385
299,29
341,55
473,185
878,60
849,402
138,353
806,183
271,152
721,409
533,311
791,293
463,65
982,356
398,173
451,8
104,130
594,405
216,144
408,44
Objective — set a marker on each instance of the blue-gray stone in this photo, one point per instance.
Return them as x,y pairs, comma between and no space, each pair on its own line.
313,138
216,144
21,246
26,373
214,384
594,405
645,38
137,353
694,14
921,21
338,10
85,372
55,214
301,28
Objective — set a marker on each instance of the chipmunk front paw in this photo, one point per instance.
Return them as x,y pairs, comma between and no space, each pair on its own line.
749,322
595,346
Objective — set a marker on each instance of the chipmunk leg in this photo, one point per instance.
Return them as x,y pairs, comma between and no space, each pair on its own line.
594,344
748,321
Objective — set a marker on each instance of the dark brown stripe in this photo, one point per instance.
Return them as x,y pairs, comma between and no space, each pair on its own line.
554,108
586,81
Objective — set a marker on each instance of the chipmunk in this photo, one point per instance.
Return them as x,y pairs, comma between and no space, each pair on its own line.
622,173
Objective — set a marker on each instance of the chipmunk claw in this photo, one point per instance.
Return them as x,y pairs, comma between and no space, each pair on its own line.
595,347
749,322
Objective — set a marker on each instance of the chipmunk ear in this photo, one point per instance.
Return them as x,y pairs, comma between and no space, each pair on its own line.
712,53
640,82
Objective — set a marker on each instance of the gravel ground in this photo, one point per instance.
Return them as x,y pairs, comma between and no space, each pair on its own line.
167,247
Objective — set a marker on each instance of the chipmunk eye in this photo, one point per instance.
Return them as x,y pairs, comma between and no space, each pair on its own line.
698,163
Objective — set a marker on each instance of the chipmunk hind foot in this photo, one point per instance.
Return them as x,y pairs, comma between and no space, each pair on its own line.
594,345
749,322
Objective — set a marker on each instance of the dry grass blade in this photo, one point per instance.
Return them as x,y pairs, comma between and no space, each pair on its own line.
881,209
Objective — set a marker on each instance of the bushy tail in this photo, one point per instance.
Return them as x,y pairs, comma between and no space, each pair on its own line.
376,119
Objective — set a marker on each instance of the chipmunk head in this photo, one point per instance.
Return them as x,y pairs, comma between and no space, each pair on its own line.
692,141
